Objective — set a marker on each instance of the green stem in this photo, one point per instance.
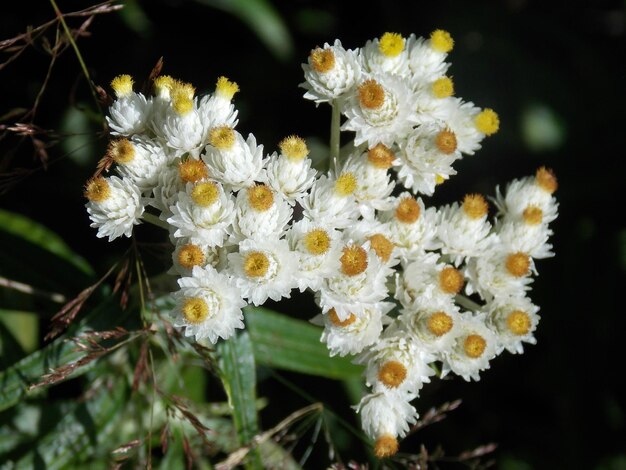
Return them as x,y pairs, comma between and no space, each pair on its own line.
467,303
154,220
335,123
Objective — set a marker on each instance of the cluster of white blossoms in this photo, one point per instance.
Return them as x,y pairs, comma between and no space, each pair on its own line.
392,277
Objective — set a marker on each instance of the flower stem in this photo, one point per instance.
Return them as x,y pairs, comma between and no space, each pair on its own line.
467,303
154,220
335,123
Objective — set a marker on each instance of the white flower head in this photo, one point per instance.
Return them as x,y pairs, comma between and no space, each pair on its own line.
130,113
140,160
379,237
165,193
514,320
388,54
114,205
217,109
187,255
331,201
386,414
427,56
208,305
528,236
530,199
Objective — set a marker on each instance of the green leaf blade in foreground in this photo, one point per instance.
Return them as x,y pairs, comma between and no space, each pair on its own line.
287,343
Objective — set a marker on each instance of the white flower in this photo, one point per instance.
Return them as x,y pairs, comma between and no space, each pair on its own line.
217,109
187,255
475,345
140,160
115,205
208,305
166,190
330,73
262,269
389,55
531,238
514,320
427,56
461,119
434,101
380,110
386,414
379,237
130,112
331,201
530,198
288,177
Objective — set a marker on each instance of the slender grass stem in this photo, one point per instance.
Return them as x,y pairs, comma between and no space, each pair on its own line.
335,123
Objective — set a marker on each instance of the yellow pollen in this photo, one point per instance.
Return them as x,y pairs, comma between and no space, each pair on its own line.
446,141
334,319
121,151
518,322
222,137
317,241
195,310
190,255
475,206
391,44
439,323
474,346
441,41
294,148
205,194
97,189
533,215
182,97
345,184
385,446
443,87
546,180
487,121
122,85
381,156
518,264
439,179
371,94
322,60
163,84
256,264
260,197
225,88
382,246
408,211
353,260
192,171
451,280
392,373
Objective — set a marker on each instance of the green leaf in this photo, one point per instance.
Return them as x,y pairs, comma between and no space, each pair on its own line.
24,327
287,343
262,18
43,237
236,361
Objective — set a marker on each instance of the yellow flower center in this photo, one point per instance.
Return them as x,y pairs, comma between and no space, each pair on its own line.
121,151
97,189
317,241
382,246
391,44
446,141
190,255
195,310
443,87
487,121
353,260
439,323
192,171
256,264
518,264
392,373
205,194
532,215
518,322
371,94
294,148
385,446
334,319
380,156
163,84
345,184
122,85
441,41
222,137
225,88
408,210
182,97
546,180
451,280
474,346
322,60
475,206
260,197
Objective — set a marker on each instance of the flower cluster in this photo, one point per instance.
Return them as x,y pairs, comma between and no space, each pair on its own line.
392,277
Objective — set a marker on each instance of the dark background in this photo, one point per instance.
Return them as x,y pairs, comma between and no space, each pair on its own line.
555,74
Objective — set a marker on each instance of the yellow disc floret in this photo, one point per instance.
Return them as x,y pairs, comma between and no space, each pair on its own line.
474,346
385,446
322,60
163,85
380,156
294,148
475,206
371,94
518,264
546,180
451,280
439,323
441,41
182,97
443,87
487,121
391,44
97,189
345,184
439,179
222,137
121,151
382,246
446,141
190,255
256,264
334,319
408,210
205,194
392,373
122,85
518,322
260,197
353,260
532,215
192,171
195,310
225,88
317,241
